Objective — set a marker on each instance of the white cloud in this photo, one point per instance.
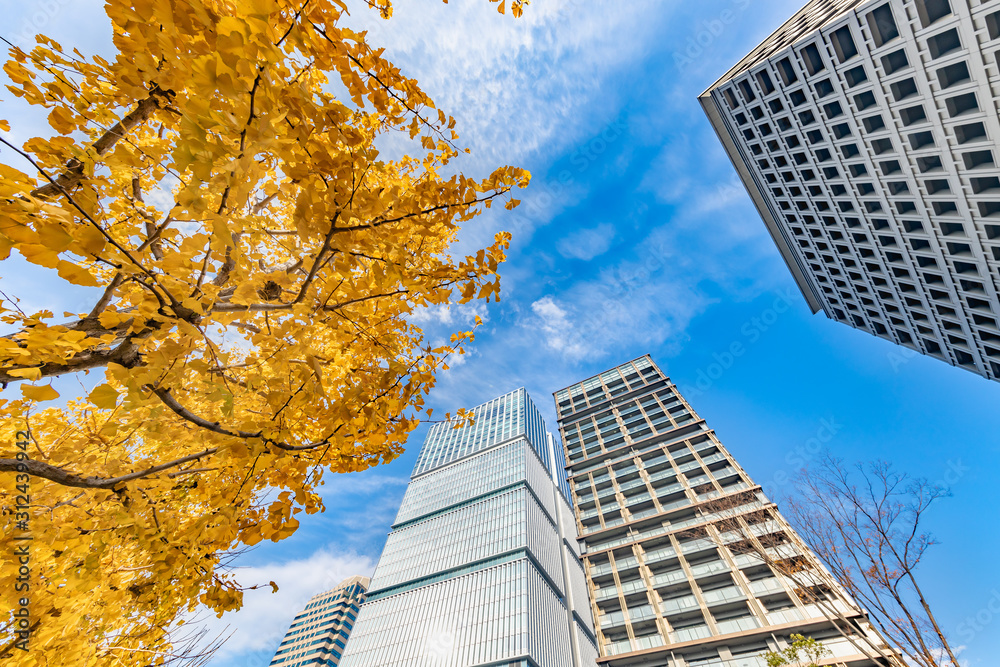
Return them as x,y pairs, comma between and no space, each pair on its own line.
265,616
559,332
457,314
586,244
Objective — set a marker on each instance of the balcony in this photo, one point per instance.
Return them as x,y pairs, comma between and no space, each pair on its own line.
669,577
766,587
679,605
643,613
619,647
649,641
657,555
602,594
634,586
636,499
709,569
723,595
613,620
790,615
690,634
601,570
737,624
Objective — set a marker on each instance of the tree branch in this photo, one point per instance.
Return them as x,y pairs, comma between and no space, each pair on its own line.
73,173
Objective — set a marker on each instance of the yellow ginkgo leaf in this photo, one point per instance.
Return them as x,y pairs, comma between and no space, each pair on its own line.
43,393
104,396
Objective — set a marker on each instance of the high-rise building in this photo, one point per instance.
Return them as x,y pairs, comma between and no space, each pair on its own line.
319,633
688,563
866,133
482,565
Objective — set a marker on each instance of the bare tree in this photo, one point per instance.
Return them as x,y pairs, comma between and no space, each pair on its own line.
864,521
745,526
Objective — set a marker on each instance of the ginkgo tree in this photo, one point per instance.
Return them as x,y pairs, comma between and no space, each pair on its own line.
254,263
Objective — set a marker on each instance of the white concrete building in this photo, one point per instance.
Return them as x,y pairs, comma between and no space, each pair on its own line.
866,133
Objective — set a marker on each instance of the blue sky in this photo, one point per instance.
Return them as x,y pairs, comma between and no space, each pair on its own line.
635,237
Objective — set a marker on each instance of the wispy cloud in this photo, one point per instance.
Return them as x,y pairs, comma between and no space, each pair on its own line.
586,244
255,630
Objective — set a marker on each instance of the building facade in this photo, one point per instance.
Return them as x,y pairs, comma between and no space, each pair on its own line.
866,133
688,563
482,566
318,635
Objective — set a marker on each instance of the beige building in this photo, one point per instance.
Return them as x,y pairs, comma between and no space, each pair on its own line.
319,633
688,563
866,133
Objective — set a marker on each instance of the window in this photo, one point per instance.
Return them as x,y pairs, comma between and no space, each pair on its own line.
978,159
952,75
857,75
858,170
823,88
776,106
903,89
881,146
843,44
833,110
945,207
929,163
764,79
842,130
912,115
895,61
935,186
787,71
993,25
730,98
814,61
883,25
823,154
931,11
961,104
981,185
873,123
814,136
889,167
971,132
921,140
807,117
797,97
864,100
952,229
944,43
898,187
849,150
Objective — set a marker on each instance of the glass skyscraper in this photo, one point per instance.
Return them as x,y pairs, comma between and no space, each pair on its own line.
688,563
482,566
319,633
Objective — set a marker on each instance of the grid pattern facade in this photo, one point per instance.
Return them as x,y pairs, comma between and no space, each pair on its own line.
479,568
652,485
496,421
867,134
318,635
